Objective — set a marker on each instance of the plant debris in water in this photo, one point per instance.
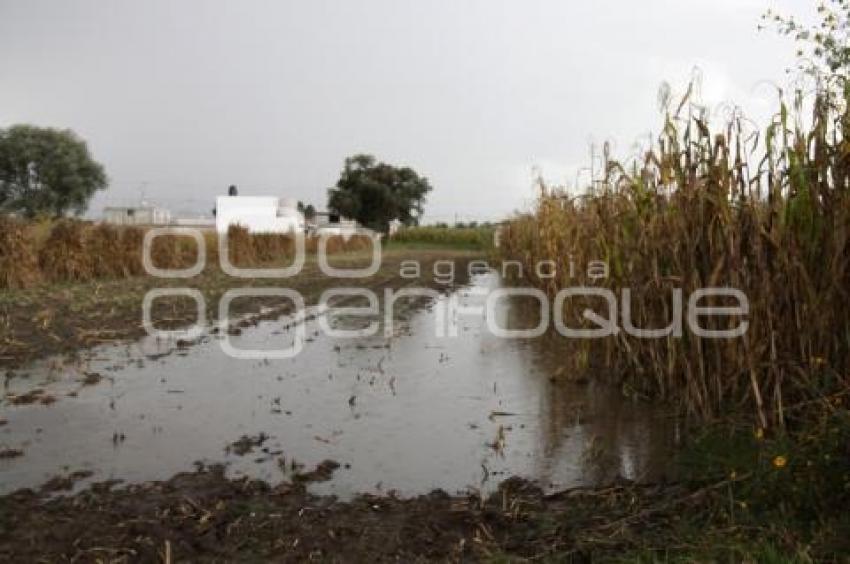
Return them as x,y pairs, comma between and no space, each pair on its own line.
322,473
247,443
33,396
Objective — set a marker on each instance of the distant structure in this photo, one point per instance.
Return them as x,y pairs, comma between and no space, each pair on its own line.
258,214
200,222
137,215
328,223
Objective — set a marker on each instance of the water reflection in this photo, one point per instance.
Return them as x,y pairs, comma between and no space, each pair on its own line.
408,412
588,432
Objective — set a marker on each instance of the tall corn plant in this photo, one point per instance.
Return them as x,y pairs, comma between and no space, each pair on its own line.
765,213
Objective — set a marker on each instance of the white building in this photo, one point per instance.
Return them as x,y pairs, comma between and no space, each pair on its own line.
136,215
259,214
326,223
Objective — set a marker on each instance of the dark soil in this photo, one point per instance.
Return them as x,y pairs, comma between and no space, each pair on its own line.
203,516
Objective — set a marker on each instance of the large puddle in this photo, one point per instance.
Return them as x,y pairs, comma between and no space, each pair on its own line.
406,413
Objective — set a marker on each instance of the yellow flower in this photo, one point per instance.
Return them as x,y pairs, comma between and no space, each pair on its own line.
759,434
818,360
780,461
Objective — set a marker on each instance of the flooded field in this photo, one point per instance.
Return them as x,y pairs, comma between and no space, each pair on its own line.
404,413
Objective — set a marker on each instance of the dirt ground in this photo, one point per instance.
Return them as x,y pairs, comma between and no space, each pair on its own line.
64,319
205,517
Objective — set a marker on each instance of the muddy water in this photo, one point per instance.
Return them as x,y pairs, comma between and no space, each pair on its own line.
406,413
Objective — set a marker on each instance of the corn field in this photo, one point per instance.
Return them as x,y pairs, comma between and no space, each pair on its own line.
76,251
765,212
479,237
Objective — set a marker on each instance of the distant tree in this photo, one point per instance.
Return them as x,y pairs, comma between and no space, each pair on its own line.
376,193
233,190
44,170
308,211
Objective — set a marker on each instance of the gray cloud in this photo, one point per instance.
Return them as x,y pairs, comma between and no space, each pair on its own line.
189,97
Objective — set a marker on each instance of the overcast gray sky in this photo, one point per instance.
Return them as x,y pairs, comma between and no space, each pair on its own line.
180,99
